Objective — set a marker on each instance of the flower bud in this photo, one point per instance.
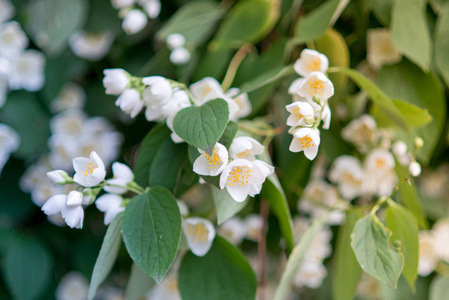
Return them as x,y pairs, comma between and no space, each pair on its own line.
115,81
58,176
74,199
134,21
419,142
309,120
316,99
414,168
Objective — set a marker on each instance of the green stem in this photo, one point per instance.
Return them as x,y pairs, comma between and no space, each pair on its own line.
234,65
131,189
321,115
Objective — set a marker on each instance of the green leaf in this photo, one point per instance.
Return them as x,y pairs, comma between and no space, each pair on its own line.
151,229
229,134
107,256
382,9
50,22
266,78
138,285
248,22
410,16
414,116
222,274
225,205
442,43
370,242
376,95
202,126
439,288
195,21
407,82
315,23
346,272
150,146
296,257
27,269
404,228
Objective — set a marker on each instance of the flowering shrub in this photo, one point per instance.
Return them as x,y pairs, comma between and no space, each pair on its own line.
253,149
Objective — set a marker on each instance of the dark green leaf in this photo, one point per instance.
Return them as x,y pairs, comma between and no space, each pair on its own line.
229,134
382,9
152,230
222,274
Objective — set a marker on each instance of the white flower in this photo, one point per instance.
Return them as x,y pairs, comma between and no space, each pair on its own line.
311,61
7,10
380,177
178,101
379,161
321,246
180,56
70,206
110,204
151,7
200,234
326,117
206,89
89,171
441,234
58,176
117,4
310,274
234,230
414,168
399,149
115,81
175,40
166,290
242,177
9,142
316,84
211,165
428,258
72,95
73,286
91,46
27,71
254,226
13,40
307,140
122,176
69,122
245,147
134,21
242,101
347,173
300,224
156,95
361,131
299,113
380,48
129,102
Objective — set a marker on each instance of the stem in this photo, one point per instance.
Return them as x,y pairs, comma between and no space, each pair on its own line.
131,189
321,115
262,247
186,89
234,65
264,132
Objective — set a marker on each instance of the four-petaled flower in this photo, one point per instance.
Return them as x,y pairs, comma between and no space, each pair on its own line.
89,171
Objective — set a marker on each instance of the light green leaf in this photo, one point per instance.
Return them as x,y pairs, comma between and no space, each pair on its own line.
407,82
370,242
296,257
152,230
27,269
229,134
315,23
404,228
202,126
107,256
148,150
414,116
222,274
442,43
138,285
439,288
375,94
50,22
382,9
266,78
194,20
346,272
225,205
410,16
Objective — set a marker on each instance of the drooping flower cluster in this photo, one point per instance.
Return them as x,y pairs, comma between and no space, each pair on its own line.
20,68
179,54
240,173
135,13
310,102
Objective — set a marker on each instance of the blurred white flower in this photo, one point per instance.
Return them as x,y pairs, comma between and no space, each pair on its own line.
180,56
206,89
234,230
91,46
157,93
122,176
211,165
183,208
310,274
89,171
200,234
316,84
307,140
151,7
428,258
72,95
166,290
118,4
69,122
7,10
110,204
9,142
254,226
115,81
134,21
379,175
441,234
347,173
414,168
243,178
27,71
242,101
380,48
311,61
73,286
361,132
130,102
13,40
299,113
175,40
245,147
300,224
321,246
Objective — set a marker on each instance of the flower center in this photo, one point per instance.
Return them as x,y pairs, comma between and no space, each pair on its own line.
380,163
350,179
214,160
297,114
244,154
314,65
198,232
89,169
316,86
306,142
239,176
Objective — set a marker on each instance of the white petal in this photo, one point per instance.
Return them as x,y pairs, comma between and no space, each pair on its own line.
122,171
54,204
200,235
74,199
73,216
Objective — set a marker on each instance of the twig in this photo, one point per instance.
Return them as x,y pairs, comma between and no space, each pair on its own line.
262,247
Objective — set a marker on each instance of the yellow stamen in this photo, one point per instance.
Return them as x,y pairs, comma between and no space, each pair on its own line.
244,154
314,65
197,232
316,86
297,114
306,142
89,169
239,176
213,161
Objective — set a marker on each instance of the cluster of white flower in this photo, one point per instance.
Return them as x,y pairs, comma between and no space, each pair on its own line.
433,247
312,270
241,174
9,142
179,54
91,46
310,95
19,68
135,13
235,230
